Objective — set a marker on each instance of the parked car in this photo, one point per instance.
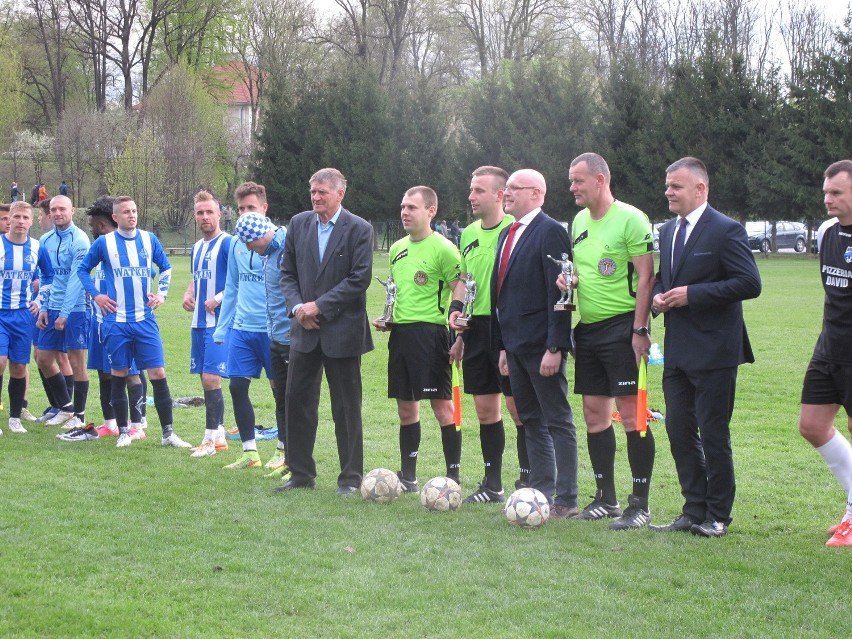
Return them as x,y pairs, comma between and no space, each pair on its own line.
788,235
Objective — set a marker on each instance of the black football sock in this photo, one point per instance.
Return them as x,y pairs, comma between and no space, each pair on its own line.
60,392
640,454
243,410
214,407
163,404
1,391
602,456
81,394
409,444
105,387
69,385
451,439
136,397
118,399
523,457
144,382
51,400
492,438
17,388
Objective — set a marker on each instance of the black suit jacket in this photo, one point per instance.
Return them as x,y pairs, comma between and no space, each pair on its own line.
718,267
338,284
523,319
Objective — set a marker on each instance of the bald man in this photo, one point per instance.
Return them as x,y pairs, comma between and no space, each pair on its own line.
64,319
534,338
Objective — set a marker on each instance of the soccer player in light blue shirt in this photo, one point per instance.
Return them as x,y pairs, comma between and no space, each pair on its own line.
242,322
262,237
64,321
209,262
20,256
129,328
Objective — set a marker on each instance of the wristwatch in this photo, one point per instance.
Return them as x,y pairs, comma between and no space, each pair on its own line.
642,331
553,349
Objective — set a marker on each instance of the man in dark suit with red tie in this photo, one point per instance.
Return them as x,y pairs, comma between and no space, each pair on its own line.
534,339
706,271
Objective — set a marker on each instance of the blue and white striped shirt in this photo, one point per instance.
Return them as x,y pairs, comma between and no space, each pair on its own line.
128,272
209,270
19,265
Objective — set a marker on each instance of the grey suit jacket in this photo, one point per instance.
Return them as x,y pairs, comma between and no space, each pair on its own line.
338,284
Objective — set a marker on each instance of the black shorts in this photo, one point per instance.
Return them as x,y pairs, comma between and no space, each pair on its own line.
604,362
419,362
480,364
828,383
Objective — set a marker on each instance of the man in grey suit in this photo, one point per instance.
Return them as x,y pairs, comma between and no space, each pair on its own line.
325,272
706,271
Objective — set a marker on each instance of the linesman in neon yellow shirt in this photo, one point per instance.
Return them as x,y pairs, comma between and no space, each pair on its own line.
425,267
614,261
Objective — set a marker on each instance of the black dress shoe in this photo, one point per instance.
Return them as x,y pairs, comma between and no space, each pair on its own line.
710,529
684,523
292,484
345,491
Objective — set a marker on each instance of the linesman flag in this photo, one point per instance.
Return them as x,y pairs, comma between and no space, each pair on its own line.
642,398
456,396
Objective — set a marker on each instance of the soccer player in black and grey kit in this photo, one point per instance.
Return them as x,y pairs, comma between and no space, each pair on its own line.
482,377
828,380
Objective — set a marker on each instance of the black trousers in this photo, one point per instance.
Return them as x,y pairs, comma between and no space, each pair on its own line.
699,406
303,392
280,364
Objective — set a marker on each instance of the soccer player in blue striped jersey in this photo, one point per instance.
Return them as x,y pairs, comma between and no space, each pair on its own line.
4,228
20,256
242,323
202,298
99,216
64,322
129,328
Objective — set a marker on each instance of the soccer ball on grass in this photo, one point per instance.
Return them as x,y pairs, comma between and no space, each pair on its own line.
441,494
527,508
381,485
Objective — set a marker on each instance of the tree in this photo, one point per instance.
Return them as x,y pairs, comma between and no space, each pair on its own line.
11,91
140,171
536,114
188,128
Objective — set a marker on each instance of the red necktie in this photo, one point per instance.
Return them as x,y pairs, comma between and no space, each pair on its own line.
504,256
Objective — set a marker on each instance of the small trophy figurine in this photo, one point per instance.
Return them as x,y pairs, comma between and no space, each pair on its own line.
383,323
469,297
565,303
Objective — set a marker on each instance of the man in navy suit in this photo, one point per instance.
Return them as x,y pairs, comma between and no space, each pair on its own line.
706,271
533,338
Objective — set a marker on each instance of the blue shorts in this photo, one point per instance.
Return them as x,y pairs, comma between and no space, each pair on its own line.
74,337
129,342
248,353
98,358
16,329
206,356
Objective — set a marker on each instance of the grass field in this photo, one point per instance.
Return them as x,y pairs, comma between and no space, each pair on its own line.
146,542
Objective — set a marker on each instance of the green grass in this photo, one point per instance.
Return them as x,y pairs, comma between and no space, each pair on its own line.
146,542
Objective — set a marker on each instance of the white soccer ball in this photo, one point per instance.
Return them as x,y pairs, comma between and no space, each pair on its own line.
381,485
527,508
441,494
